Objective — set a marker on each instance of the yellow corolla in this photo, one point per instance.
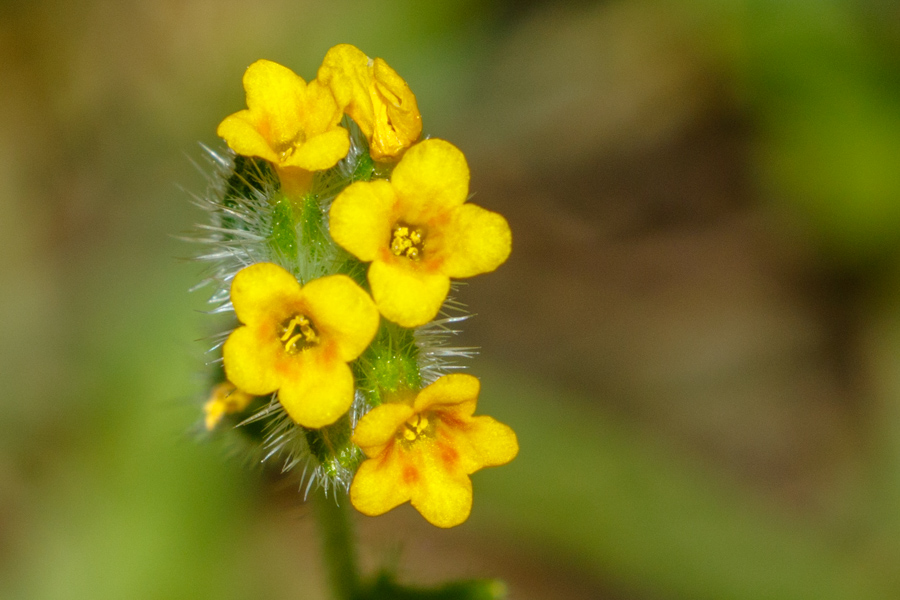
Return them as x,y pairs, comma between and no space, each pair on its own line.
418,231
298,340
225,399
374,96
292,124
424,451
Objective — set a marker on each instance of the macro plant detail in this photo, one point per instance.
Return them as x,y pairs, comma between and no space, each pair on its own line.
424,450
224,399
335,233
298,340
377,99
292,125
417,231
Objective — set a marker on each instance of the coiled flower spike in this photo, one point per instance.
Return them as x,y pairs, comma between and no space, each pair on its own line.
328,214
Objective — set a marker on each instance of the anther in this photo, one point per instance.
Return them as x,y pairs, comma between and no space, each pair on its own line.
415,428
295,340
407,241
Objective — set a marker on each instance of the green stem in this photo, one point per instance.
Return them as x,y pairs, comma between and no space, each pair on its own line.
338,544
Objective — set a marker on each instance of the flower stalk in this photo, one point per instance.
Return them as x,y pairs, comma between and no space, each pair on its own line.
338,545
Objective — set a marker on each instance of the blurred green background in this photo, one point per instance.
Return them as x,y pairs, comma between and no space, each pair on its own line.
697,337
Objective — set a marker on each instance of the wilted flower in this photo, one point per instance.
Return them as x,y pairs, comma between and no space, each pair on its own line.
374,96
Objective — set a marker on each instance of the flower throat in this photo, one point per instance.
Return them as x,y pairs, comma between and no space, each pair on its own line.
407,241
298,334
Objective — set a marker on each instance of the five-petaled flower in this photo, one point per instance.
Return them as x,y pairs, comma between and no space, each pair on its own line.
298,340
225,399
292,124
374,96
424,452
418,231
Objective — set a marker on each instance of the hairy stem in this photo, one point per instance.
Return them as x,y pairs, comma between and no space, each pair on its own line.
338,544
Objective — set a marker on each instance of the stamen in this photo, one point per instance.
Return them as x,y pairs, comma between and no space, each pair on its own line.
415,428
286,149
407,241
294,340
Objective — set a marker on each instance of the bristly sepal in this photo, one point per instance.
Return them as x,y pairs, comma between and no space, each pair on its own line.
251,221
334,238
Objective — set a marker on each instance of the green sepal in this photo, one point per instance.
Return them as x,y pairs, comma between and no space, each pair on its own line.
312,225
254,431
389,364
249,180
357,271
298,231
332,448
283,237
249,177
364,169
367,169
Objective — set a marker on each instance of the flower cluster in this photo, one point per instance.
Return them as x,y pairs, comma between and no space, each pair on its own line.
336,232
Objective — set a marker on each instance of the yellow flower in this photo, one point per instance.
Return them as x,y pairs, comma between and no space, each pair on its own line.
374,96
298,340
287,122
425,452
418,232
225,399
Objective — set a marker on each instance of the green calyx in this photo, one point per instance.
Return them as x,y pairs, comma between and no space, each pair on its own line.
389,365
283,237
331,447
258,221
298,237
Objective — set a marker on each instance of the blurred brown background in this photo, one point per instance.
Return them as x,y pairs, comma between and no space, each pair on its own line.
697,337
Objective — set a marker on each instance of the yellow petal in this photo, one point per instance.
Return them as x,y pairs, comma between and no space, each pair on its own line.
320,152
433,176
451,434
379,484
214,411
475,241
379,426
260,290
233,399
457,390
345,71
321,112
343,312
274,94
225,399
405,295
249,357
443,494
317,390
495,443
240,133
361,218
398,123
